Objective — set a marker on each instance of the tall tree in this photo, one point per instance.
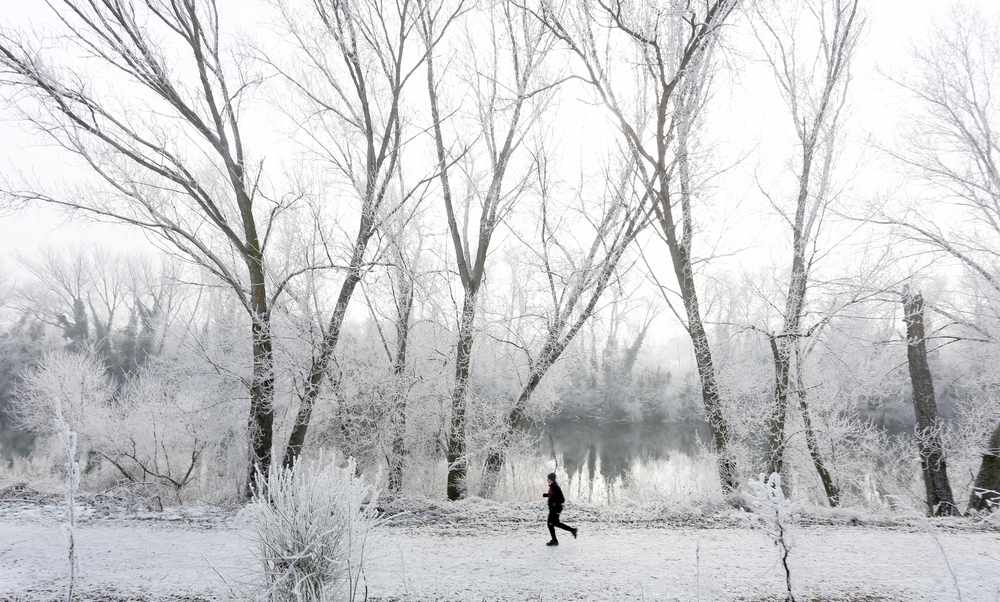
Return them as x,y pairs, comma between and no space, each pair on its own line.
952,150
394,324
349,66
508,95
667,50
940,500
158,125
576,273
813,80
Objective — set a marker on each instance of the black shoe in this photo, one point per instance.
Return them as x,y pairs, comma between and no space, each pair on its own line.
574,533
552,543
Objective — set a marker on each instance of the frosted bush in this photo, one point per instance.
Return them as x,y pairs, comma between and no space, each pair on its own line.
156,429
162,426
312,529
76,379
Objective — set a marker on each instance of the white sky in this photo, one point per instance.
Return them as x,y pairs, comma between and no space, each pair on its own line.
892,24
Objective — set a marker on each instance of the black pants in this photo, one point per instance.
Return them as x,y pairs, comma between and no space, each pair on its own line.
553,522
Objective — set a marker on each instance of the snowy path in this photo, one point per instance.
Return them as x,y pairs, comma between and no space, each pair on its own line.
158,559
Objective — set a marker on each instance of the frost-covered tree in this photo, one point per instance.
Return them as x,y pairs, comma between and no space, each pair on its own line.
149,99
647,65
810,48
483,158
951,148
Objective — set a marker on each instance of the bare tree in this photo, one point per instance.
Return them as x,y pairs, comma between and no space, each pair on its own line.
576,275
940,500
508,96
119,305
667,49
813,81
349,65
57,293
157,122
394,325
951,149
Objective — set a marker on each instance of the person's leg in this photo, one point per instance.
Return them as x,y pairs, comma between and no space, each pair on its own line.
556,523
551,522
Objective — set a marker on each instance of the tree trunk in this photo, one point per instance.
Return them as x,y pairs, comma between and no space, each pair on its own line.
940,501
702,353
713,410
498,455
986,493
260,424
457,462
398,451
779,408
680,257
320,364
784,344
831,489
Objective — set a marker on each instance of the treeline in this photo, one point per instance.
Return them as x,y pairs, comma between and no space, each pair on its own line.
409,230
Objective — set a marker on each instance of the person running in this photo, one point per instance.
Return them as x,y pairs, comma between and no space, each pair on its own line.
556,501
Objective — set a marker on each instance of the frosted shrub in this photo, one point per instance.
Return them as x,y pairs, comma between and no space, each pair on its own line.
770,509
76,379
162,426
312,529
155,429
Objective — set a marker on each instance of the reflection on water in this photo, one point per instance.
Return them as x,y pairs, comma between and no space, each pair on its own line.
597,462
609,462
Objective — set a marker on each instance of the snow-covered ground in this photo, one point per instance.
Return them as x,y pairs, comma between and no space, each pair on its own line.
479,550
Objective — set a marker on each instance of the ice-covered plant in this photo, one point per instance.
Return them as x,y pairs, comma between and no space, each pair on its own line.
312,528
777,515
68,439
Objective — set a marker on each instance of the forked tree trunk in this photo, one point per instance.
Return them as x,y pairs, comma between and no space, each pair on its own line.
562,332
320,365
495,203
940,500
986,492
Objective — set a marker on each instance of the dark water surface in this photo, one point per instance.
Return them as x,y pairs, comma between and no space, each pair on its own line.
605,461
610,449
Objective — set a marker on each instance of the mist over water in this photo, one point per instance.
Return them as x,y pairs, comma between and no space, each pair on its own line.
597,461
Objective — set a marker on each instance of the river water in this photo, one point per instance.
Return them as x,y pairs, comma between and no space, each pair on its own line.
597,462
602,462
